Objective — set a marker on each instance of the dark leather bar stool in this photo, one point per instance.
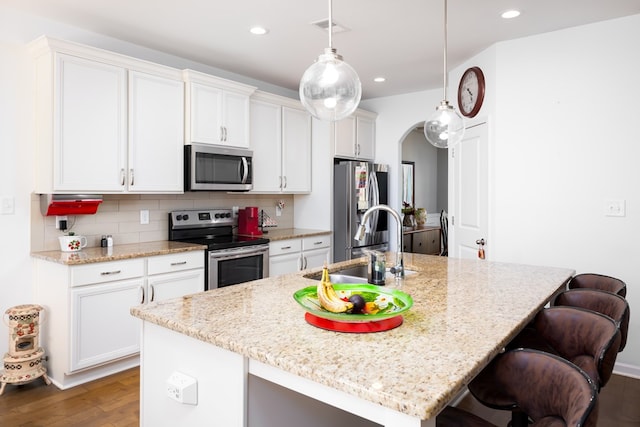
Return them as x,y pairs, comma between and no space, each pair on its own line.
545,388
610,304
586,338
598,281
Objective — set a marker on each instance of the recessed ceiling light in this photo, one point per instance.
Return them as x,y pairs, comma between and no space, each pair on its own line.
379,79
258,31
510,14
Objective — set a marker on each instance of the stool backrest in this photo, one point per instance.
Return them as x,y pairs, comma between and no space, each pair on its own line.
586,338
604,302
598,281
545,387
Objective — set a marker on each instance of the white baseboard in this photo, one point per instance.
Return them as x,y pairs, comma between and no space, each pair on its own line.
627,370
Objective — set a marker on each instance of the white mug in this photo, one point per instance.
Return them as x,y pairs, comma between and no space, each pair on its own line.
72,243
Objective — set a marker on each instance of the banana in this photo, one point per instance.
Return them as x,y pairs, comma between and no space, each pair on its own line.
328,298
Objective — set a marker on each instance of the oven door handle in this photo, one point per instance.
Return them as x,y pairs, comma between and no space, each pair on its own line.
238,253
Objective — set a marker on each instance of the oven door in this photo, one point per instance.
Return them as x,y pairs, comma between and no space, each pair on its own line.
237,265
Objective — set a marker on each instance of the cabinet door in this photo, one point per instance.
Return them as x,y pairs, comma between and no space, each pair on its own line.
266,144
173,285
102,329
284,264
345,137
407,242
433,242
156,134
206,114
90,125
296,150
315,258
365,138
236,119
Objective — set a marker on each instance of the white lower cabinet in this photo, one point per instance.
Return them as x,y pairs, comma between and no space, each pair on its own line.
102,329
291,255
89,331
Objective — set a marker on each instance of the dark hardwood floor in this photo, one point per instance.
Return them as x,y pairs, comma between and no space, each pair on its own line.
114,402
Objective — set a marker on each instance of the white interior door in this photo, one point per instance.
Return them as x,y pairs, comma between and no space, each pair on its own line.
469,211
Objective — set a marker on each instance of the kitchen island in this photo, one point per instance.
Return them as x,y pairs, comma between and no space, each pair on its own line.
257,362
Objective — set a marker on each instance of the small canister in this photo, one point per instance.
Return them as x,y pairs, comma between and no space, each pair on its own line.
377,268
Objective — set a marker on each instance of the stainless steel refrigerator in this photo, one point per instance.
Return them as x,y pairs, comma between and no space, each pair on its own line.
358,186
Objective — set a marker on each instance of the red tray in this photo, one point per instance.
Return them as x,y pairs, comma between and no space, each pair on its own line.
354,327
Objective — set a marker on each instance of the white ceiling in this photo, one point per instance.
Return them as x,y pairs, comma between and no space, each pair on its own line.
401,40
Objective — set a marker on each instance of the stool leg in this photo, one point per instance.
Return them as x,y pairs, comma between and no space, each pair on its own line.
519,419
2,388
46,379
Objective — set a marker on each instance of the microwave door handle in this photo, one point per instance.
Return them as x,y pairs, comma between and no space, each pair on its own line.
245,170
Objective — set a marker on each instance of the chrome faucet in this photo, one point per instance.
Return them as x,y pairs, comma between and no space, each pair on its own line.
398,269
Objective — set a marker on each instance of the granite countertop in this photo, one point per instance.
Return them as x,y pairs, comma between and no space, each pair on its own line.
275,234
464,312
117,252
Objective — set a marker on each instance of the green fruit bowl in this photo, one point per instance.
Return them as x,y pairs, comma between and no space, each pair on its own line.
391,302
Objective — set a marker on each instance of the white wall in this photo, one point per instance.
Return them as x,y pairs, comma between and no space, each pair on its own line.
561,109
566,143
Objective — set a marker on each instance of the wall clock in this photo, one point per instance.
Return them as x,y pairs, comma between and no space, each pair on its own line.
471,91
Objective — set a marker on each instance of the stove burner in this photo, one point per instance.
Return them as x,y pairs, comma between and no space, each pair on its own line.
210,227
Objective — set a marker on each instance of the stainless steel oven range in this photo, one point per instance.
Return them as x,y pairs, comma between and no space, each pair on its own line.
231,259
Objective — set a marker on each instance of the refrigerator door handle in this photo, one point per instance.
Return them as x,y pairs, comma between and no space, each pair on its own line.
374,198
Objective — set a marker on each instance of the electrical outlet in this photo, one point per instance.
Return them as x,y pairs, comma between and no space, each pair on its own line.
144,216
614,208
60,219
182,388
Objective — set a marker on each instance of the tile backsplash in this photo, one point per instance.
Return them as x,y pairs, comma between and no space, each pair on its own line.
119,216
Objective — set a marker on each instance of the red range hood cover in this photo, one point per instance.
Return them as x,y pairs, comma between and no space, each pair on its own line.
69,204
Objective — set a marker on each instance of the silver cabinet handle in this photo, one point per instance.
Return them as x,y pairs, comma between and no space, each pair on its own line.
141,294
318,243
178,263
153,293
286,247
131,177
285,182
122,177
106,273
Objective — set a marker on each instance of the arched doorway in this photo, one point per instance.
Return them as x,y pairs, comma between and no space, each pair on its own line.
431,173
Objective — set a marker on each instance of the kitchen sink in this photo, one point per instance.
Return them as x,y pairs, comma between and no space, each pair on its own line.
353,274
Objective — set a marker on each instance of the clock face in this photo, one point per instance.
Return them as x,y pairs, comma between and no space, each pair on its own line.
471,92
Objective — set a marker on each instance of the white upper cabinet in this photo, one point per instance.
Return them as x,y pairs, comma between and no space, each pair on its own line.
281,145
354,136
156,118
107,123
217,110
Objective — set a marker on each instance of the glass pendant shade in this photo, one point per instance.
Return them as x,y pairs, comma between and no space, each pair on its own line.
330,89
445,127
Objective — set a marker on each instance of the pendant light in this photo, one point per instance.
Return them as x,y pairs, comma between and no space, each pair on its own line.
330,89
445,127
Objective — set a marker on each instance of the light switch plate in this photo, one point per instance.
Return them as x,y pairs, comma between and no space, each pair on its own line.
614,208
7,205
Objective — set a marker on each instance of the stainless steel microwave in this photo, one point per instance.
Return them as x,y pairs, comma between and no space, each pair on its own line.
216,168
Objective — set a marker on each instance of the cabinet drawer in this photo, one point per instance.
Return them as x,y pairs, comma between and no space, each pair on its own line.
175,262
106,271
281,247
316,242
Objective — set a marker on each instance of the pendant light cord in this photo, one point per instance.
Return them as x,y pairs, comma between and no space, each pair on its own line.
445,50
330,25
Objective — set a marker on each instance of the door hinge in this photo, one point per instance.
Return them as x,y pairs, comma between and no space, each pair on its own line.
453,153
453,220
